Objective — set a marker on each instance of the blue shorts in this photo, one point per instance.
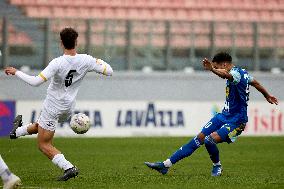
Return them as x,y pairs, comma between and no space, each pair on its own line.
227,130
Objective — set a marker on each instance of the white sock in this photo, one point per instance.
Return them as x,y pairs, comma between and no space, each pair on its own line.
61,162
22,131
218,163
168,163
4,171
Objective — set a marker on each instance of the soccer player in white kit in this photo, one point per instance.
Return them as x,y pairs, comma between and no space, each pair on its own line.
10,181
66,73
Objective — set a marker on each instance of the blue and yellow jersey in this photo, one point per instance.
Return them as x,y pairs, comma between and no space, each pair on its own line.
237,96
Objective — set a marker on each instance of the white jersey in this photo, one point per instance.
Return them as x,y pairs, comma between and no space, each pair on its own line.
66,73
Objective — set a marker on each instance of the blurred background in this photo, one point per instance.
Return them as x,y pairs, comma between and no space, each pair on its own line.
132,34
155,48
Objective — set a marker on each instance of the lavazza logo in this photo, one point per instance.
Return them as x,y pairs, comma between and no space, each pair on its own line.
130,118
150,117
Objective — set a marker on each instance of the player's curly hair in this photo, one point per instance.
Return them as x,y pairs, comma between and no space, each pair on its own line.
68,37
222,57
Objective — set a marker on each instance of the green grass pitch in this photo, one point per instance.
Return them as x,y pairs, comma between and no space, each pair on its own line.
251,162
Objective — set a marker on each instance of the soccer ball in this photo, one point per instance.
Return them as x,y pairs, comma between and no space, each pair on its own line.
80,123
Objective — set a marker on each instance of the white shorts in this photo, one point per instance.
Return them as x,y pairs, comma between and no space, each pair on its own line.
48,119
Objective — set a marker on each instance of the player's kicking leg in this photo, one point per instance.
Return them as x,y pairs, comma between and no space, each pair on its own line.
10,181
45,145
20,130
187,149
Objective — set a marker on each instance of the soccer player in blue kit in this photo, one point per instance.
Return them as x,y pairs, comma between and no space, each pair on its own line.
225,126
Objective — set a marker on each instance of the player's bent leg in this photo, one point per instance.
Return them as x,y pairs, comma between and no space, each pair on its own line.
45,145
29,129
210,144
20,130
227,133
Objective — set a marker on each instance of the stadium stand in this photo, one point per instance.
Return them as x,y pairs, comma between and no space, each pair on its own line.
147,27
185,10
238,11
16,38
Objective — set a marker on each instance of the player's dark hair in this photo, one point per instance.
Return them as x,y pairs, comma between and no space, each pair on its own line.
222,57
68,37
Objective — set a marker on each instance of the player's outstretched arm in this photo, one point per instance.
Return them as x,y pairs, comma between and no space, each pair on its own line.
219,72
271,99
31,80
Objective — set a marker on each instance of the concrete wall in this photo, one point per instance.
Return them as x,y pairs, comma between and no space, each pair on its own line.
199,86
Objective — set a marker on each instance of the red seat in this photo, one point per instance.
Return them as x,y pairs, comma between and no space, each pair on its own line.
219,10
16,37
239,12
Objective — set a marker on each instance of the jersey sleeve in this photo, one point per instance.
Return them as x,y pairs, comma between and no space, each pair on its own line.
250,78
99,66
31,80
236,76
49,71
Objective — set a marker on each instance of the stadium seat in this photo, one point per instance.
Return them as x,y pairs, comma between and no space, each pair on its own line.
16,37
241,12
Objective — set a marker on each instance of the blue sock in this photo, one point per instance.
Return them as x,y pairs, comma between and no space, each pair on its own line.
212,149
186,150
